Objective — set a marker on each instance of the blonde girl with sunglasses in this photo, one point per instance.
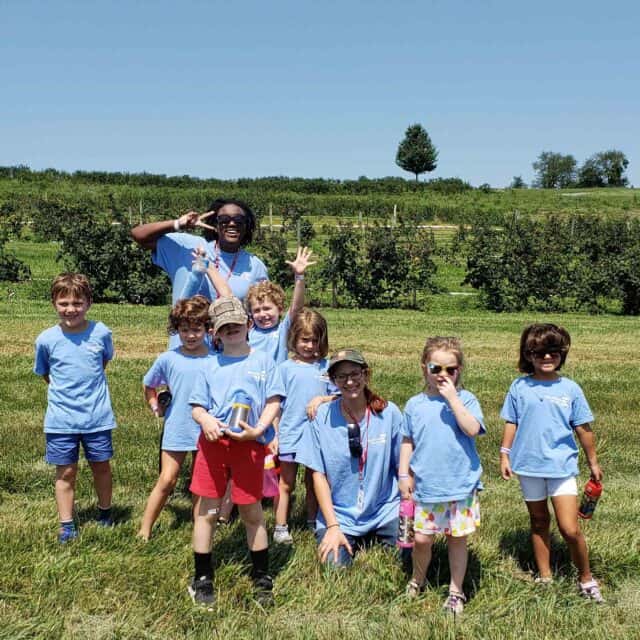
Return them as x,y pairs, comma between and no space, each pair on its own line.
439,466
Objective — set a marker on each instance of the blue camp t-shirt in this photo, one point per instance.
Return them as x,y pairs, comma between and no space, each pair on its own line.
177,371
324,447
445,463
78,396
298,383
225,377
273,340
173,254
545,413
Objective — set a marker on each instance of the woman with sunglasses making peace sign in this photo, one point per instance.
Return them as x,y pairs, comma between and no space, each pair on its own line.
227,226
352,446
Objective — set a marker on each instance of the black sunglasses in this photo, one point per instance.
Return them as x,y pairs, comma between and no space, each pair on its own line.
225,221
353,433
541,353
435,369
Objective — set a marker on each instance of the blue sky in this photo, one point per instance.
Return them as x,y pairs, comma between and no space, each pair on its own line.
316,89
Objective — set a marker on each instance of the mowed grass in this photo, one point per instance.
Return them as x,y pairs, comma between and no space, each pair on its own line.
110,585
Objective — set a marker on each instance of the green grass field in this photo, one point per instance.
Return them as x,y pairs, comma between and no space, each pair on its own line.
109,585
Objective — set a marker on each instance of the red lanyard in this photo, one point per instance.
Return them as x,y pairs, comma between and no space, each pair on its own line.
216,260
362,461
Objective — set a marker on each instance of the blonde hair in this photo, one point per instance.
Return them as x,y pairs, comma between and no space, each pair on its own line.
309,321
265,290
71,284
444,343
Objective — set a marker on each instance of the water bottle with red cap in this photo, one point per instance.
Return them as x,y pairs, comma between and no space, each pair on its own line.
590,497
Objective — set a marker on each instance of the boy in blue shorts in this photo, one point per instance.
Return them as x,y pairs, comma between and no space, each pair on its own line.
71,357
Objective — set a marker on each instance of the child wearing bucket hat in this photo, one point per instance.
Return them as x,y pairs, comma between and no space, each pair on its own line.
224,453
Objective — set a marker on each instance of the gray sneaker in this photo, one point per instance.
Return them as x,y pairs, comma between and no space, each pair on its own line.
263,585
201,592
281,535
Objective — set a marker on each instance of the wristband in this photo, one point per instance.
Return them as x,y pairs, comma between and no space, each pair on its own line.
176,224
333,525
299,277
403,476
505,450
261,426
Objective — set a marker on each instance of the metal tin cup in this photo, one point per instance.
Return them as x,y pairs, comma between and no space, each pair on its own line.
240,410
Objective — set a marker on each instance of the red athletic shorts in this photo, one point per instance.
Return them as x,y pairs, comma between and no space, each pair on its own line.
217,462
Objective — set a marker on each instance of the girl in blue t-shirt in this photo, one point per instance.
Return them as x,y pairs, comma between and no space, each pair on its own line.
543,411
302,379
439,465
176,369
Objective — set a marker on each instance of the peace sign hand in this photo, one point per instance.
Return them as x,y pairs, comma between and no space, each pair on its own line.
193,219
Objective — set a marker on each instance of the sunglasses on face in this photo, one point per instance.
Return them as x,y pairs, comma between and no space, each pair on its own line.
435,369
225,221
541,353
353,434
341,378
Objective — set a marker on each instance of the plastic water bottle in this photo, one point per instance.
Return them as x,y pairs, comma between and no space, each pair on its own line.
270,481
590,497
194,278
405,524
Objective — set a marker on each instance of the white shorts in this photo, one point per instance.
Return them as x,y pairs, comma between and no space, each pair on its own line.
535,489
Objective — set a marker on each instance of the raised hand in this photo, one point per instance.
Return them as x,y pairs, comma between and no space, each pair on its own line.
193,219
302,261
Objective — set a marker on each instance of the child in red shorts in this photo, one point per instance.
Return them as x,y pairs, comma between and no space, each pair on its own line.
223,453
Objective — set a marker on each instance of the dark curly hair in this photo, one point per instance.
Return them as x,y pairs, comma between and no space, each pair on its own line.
216,205
190,310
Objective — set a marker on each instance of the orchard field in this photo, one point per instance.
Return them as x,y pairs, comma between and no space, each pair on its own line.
110,585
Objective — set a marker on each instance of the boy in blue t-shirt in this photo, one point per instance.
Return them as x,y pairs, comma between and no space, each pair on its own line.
71,357
265,302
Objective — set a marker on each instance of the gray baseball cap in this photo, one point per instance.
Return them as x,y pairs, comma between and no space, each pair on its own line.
347,355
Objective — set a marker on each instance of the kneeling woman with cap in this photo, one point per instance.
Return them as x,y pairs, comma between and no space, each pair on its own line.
353,447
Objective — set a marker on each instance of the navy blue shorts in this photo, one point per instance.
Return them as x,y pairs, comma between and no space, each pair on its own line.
64,448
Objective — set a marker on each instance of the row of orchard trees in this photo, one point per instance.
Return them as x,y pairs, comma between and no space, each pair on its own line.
554,263
603,169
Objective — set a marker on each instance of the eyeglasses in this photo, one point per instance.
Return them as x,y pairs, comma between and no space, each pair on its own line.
356,376
541,353
225,221
353,434
435,369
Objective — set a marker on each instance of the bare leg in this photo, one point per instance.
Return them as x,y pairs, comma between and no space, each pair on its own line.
253,519
422,552
204,525
566,510
65,488
287,485
540,536
458,557
171,464
102,482
311,502
227,505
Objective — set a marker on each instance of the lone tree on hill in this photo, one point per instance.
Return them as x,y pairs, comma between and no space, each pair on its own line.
416,153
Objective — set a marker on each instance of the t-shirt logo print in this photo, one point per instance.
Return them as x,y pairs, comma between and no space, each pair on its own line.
561,401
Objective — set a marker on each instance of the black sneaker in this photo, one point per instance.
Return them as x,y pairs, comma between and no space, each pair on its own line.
201,592
264,590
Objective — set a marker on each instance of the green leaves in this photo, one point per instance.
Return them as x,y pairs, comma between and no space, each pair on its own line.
416,153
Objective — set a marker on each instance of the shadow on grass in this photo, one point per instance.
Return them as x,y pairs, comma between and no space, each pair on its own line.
439,575
517,544
119,514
